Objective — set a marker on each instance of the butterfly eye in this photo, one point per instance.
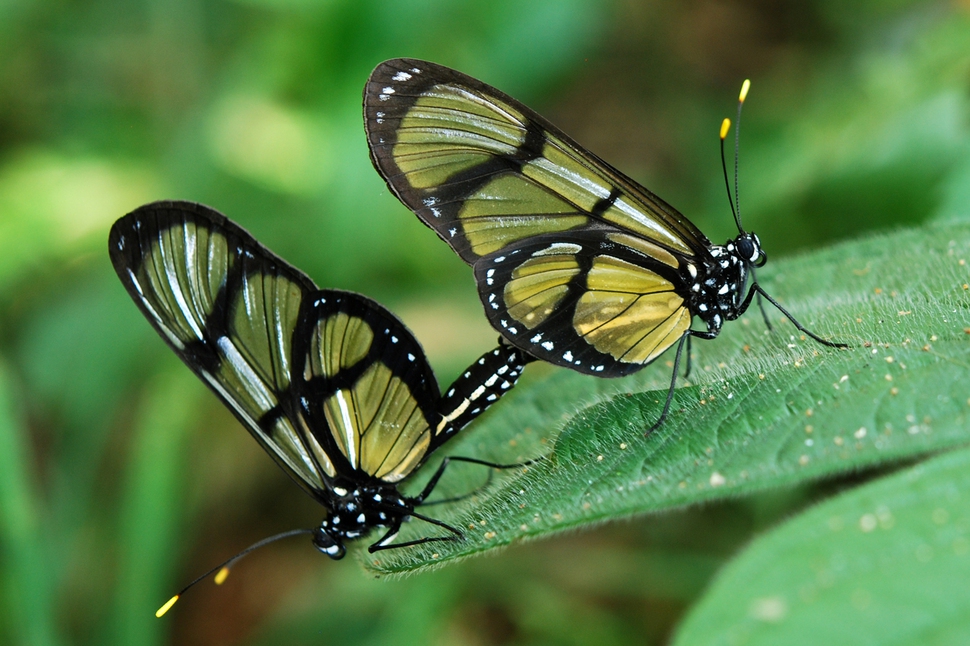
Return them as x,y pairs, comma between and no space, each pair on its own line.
326,544
745,248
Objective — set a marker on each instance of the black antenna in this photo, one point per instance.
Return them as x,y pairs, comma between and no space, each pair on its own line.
223,568
725,127
734,201
737,147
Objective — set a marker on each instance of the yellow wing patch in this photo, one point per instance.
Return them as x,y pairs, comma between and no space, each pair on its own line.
537,286
567,176
645,247
511,208
378,425
449,130
629,313
338,343
182,285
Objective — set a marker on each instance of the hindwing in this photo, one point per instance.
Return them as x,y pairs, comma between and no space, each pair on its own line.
605,312
365,377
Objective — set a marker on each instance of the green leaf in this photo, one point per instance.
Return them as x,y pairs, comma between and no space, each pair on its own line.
890,560
762,409
27,580
152,510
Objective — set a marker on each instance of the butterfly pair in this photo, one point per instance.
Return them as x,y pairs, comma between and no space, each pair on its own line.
576,264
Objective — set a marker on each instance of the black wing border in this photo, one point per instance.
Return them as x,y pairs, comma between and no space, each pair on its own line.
381,134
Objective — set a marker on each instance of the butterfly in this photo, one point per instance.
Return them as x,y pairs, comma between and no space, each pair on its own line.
331,384
576,263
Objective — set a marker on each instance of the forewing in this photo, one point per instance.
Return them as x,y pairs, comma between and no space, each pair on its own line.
229,308
486,172
367,381
575,301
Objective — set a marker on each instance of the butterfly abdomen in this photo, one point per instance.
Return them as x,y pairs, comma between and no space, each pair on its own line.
481,385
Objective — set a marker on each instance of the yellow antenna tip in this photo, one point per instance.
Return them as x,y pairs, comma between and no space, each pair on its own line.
744,90
221,576
168,606
725,126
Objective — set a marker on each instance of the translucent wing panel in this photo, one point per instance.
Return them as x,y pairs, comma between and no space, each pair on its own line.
230,309
366,382
176,283
338,342
571,302
508,209
433,145
486,172
539,286
378,425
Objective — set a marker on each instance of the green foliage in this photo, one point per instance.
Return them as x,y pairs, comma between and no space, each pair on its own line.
763,411
884,563
151,518
27,591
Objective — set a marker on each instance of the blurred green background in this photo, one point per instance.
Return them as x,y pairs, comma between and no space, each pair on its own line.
121,477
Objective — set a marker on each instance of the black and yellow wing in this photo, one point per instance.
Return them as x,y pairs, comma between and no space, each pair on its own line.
576,263
229,308
366,379
330,383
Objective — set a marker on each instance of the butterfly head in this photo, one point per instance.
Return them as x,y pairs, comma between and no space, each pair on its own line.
747,247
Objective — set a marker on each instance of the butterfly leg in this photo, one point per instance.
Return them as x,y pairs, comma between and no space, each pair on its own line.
689,362
385,541
801,328
761,306
442,501
433,482
764,314
376,547
684,340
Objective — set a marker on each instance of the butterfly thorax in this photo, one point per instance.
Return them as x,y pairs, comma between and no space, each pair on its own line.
355,510
718,286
